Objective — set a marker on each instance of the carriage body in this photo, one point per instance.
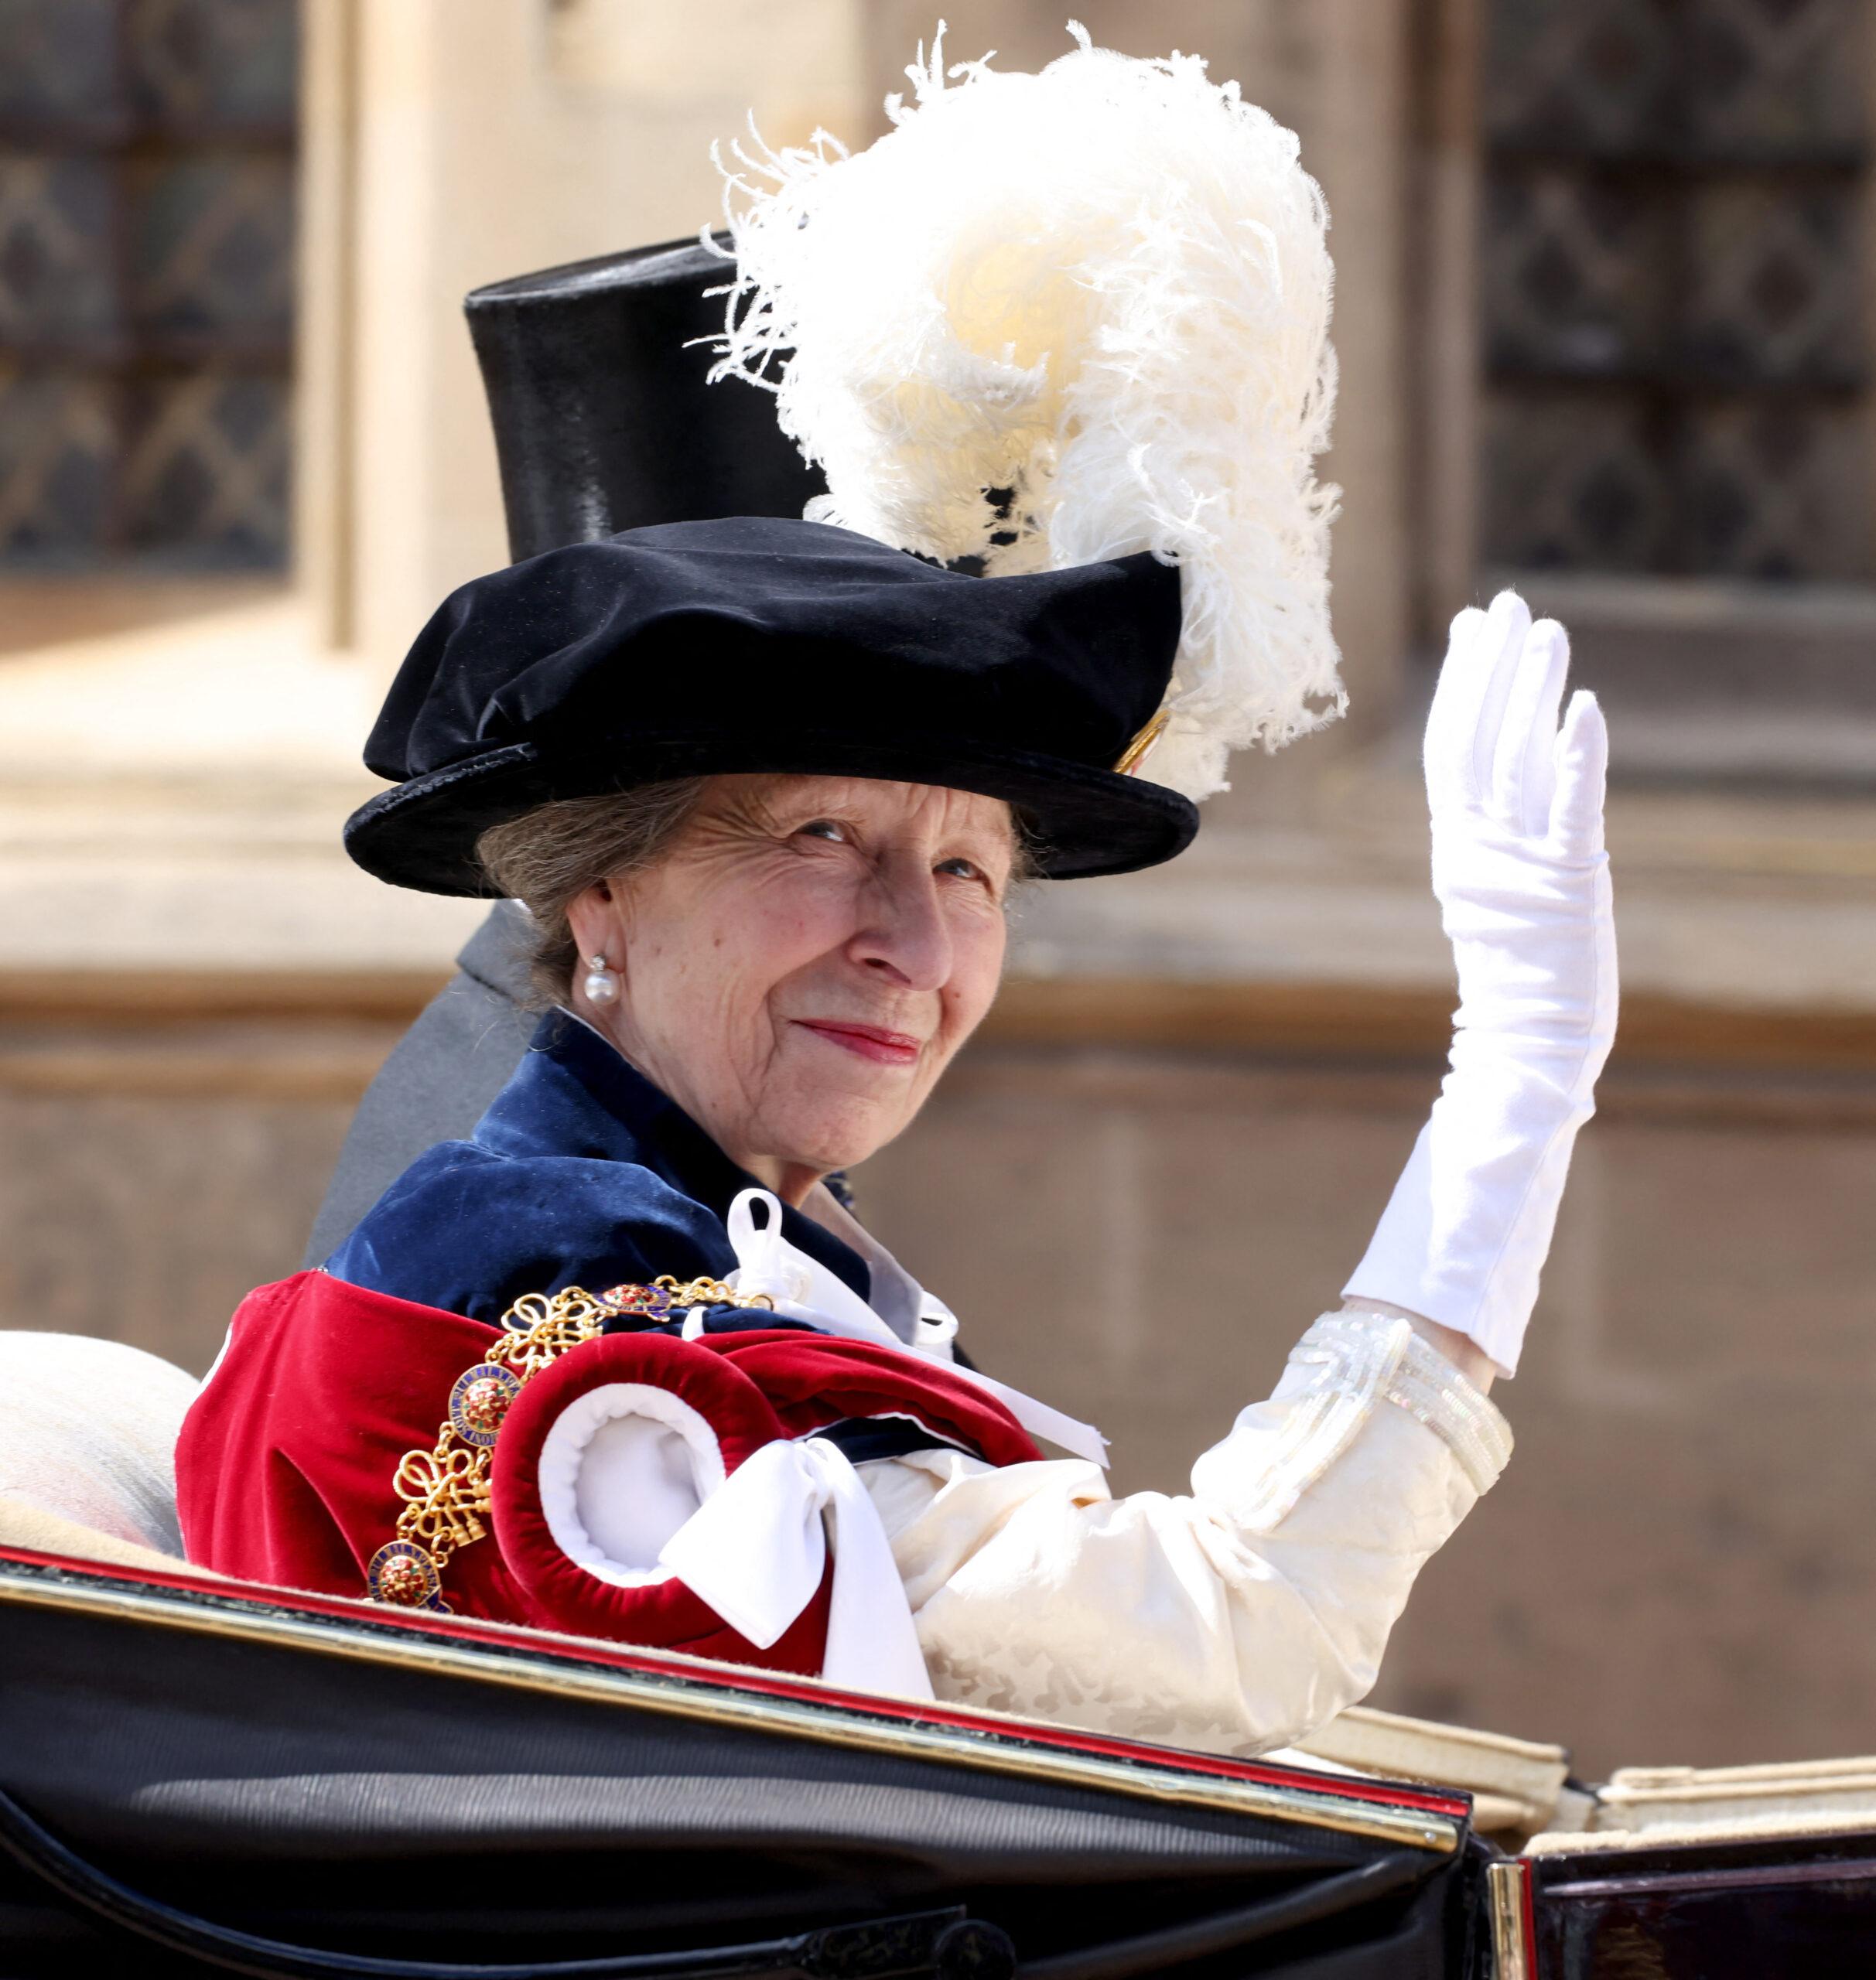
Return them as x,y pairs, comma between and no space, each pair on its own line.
200,1776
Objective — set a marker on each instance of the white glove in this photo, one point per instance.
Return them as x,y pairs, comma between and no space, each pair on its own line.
1523,880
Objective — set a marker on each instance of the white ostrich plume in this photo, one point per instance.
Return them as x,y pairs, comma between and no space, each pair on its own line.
1055,317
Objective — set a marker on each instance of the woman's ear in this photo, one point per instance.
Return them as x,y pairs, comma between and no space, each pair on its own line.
593,922
592,915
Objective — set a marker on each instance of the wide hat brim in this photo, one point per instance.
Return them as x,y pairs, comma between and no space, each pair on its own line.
1084,822
766,644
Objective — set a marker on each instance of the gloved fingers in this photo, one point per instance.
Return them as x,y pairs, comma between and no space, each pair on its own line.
1524,775
1582,776
1448,751
1508,631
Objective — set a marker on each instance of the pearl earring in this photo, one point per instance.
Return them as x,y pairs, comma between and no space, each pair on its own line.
601,986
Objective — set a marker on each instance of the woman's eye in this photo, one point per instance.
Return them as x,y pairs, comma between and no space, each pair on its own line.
827,828
965,869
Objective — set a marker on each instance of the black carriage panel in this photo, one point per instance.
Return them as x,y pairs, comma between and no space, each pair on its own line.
316,1776
1791,1907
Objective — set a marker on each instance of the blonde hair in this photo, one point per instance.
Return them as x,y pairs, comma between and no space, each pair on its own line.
547,857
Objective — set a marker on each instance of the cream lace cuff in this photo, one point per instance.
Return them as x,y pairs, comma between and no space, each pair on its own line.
1338,1372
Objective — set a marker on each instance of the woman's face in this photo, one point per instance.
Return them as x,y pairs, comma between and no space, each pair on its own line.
800,966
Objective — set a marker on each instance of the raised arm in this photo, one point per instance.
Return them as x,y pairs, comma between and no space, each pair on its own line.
1240,1616
1523,880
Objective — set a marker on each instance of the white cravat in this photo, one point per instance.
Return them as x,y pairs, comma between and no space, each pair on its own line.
804,1289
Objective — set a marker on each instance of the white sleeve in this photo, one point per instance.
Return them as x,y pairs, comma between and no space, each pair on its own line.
1234,1620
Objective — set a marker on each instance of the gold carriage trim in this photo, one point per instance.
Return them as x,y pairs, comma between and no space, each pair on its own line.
446,1489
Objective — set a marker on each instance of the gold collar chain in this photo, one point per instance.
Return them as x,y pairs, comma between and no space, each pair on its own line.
446,1489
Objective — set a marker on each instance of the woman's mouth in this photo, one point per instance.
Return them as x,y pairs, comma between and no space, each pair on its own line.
865,1041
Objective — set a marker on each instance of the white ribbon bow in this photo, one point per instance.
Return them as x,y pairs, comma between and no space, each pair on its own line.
756,1549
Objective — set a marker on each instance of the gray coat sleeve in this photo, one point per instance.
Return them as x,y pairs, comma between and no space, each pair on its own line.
440,1078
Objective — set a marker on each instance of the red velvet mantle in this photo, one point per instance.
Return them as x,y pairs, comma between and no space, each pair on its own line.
285,1465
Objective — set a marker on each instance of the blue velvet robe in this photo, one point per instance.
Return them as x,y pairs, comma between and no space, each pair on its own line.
581,1173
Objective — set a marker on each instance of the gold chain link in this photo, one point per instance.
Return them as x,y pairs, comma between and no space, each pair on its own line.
446,1490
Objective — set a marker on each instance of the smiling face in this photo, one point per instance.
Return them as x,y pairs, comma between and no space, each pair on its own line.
802,965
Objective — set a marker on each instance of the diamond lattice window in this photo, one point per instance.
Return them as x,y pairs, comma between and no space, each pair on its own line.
1671,268
146,239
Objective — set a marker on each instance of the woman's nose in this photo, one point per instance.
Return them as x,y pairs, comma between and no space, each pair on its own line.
904,932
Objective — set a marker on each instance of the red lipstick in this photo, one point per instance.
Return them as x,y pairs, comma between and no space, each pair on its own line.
865,1041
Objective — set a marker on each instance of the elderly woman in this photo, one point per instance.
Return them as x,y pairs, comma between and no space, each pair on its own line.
623,1362
761,968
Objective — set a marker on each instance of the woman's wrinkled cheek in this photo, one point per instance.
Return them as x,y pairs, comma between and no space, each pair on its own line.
735,980
966,999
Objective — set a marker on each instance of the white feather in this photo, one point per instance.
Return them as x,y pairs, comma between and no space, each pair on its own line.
1105,287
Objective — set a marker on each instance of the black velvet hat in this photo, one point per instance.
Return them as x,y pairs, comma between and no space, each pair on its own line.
762,644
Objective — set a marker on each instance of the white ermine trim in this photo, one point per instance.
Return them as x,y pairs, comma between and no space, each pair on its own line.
1105,287
572,1467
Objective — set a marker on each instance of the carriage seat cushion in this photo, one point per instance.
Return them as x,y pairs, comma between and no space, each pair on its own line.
87,1435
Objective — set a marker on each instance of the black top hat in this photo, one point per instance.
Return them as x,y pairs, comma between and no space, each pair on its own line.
598,382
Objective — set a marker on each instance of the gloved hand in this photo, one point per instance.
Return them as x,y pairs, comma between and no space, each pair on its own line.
1522,881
